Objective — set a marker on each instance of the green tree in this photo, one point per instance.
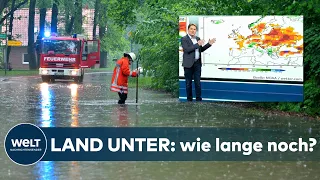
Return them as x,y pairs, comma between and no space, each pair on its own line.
113,17
157,32
68,11
13,3
122,12
31,54
96,17
43,5
54,17
78,17
5,4
114,41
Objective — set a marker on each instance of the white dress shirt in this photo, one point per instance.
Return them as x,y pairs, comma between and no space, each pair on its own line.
197,54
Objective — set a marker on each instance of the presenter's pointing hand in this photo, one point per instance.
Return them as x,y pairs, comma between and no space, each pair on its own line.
211,41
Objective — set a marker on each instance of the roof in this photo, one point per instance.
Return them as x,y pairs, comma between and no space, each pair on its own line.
21,18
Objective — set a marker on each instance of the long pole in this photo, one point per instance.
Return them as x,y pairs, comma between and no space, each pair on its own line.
137,84
6,51
137,116
131,51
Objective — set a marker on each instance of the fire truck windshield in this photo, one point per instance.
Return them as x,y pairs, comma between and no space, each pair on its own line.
61,47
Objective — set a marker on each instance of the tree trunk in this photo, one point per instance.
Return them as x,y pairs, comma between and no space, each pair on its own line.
103,54
70,26
96,17
103,59
102,31
54,18
31,53
78,17
66,19
69,16
10,31
42,22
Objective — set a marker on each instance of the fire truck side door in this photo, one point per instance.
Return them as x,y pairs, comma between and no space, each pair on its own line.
93,52
84,59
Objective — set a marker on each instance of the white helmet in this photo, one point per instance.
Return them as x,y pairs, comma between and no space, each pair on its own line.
132,55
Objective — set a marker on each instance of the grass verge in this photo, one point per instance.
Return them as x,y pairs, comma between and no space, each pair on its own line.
143,82
19,73
100,69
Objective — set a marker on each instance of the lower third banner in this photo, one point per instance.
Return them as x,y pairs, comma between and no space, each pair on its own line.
27,144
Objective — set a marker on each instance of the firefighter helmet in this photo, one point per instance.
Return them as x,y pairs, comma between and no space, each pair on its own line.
131,55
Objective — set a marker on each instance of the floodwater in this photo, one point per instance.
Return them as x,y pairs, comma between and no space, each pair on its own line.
91,104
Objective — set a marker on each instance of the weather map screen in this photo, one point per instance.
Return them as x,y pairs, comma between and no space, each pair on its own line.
251,47
254,58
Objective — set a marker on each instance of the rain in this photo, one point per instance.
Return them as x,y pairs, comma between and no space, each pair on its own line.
91,104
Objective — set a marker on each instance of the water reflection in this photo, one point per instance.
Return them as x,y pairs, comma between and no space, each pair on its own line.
45,169
47,104
120,115
74,169
74,105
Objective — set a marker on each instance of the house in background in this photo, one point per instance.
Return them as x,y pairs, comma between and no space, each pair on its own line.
18,55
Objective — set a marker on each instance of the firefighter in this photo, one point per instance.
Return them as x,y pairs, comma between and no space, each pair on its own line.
121,73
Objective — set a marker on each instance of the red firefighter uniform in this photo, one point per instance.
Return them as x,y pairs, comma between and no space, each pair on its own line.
121,73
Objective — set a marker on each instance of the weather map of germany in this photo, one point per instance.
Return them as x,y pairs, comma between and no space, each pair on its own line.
281,43
252,47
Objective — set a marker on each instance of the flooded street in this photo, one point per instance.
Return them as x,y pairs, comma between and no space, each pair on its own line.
91,104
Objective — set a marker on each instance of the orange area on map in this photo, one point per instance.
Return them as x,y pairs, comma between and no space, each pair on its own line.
278,36
260,27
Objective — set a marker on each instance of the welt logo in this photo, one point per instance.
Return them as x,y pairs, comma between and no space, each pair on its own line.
25,145
18,143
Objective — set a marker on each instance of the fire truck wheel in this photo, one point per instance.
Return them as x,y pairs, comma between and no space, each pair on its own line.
45,79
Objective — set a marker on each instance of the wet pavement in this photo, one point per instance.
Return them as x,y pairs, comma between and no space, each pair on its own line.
91,104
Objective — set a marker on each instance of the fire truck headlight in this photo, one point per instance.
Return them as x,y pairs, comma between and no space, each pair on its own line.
44,71
74,72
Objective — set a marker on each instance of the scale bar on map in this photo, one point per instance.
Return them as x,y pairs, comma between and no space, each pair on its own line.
252,69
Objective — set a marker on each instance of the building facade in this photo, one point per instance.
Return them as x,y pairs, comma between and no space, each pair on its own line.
18,55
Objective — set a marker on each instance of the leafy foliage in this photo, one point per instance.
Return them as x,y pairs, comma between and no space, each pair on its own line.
44,4
157,32
121,11
114,41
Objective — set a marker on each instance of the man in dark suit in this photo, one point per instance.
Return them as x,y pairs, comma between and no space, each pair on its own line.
192,48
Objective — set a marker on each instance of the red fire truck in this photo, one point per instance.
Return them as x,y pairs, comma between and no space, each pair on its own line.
67,57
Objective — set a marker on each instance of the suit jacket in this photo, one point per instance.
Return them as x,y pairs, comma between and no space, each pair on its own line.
189,51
